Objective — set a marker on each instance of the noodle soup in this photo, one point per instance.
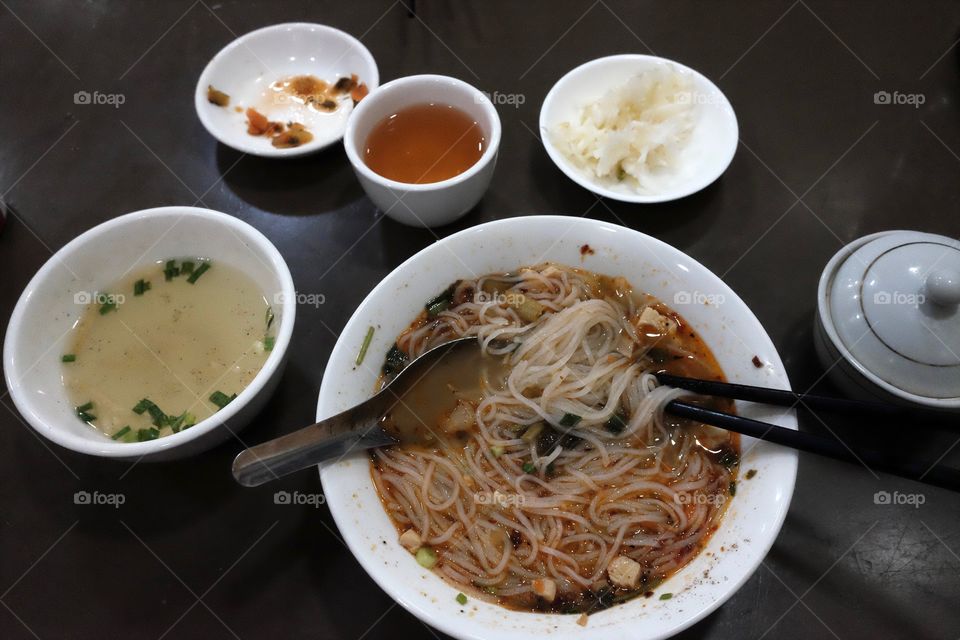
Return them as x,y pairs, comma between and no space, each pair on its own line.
553,481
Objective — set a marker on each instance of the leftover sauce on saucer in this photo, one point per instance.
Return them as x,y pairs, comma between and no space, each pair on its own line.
217,97
310,92
319,94
288,136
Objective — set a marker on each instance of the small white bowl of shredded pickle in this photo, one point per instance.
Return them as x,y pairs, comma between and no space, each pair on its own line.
638,128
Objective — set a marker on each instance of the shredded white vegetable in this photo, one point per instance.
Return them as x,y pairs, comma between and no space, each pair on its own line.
631,136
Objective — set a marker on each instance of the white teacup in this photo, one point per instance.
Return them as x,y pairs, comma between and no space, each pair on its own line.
435,203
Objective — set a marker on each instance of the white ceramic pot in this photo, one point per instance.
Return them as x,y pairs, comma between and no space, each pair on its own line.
888,318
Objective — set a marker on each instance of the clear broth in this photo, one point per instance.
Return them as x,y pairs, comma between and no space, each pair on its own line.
175,344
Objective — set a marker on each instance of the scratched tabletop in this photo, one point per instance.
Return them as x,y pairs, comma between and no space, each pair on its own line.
849,125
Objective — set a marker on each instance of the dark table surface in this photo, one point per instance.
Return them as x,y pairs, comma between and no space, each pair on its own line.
190,554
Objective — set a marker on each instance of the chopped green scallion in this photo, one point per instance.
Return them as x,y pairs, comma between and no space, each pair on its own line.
121,433
149,433
268,343
171,270
140,286
570,420
83,412
441,303
177,422
68,357
426,557
496,451
157,416
269,317
108,306
221,399
617,423
186,267
461,598
528,467
364,346
396,360
199,271
666,596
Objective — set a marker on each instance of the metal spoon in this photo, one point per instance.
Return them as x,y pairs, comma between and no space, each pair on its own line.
355,429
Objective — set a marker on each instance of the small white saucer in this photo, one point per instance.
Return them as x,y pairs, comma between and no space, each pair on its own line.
246,68
705,157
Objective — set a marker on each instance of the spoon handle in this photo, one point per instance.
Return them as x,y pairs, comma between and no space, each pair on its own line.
353,430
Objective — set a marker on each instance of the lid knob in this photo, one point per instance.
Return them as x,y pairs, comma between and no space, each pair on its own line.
943,287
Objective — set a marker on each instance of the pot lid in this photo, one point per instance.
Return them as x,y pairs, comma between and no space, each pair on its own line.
895,303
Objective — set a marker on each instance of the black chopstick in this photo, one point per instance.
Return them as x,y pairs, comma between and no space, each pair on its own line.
936,475
783,398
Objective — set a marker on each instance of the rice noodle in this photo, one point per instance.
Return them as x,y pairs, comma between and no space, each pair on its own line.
649,491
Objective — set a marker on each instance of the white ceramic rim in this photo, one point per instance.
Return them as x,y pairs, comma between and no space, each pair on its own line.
107,447
467,627
238,144
577,176
383,92
826,321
